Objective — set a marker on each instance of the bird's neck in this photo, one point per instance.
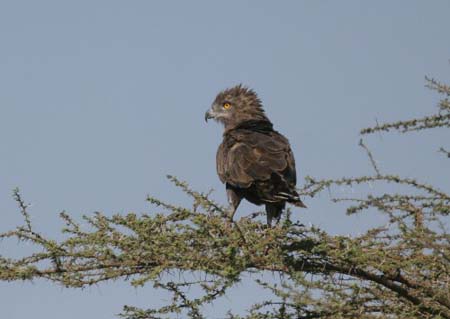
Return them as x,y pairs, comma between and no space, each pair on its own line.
259,125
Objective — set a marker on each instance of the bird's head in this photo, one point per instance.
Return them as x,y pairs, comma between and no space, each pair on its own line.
236,105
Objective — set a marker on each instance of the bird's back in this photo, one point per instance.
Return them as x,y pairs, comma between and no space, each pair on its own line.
257,162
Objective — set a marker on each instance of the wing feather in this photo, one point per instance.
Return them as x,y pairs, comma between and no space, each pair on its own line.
247,157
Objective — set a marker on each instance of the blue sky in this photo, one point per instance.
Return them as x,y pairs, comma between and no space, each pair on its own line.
99,100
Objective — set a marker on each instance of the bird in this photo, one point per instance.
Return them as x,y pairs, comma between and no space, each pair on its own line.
254,161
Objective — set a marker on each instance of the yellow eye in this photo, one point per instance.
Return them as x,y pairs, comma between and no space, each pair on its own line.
226,105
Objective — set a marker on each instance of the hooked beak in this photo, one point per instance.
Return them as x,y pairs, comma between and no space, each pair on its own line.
208,115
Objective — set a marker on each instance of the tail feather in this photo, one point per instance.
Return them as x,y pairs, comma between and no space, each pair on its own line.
284,191
299,203
290,198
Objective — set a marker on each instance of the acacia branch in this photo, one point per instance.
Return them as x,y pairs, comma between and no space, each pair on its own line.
185,240
444,151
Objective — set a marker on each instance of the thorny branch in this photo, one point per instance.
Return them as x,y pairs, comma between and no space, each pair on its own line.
369,154
190,241
447,153
440,119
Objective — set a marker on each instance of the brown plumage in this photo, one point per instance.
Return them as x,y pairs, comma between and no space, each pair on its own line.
254,161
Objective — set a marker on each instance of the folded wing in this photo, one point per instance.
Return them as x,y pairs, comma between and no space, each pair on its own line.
251,158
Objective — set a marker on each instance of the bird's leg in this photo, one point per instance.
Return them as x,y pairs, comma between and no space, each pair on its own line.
234,201
277,219
273,211
269,220
232,212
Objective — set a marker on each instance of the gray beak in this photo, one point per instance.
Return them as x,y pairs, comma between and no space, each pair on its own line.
208,116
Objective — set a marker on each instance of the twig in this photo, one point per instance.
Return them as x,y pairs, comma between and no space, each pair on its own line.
23,208
442,150
369,154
